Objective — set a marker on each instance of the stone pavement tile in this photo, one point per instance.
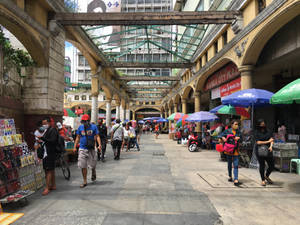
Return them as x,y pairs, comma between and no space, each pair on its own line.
124,219
163,219
201,219
65,217
153,205
161,185
195,206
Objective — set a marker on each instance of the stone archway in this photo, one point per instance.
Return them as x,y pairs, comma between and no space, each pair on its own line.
267,31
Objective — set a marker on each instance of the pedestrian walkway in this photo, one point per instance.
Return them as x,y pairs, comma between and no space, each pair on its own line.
166,184
137,190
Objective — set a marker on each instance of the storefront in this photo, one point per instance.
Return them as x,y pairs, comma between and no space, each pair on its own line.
222,83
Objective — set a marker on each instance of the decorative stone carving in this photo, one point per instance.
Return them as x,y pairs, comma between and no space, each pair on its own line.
237,25
239,50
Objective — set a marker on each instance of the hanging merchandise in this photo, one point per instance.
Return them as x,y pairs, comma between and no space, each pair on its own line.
18,176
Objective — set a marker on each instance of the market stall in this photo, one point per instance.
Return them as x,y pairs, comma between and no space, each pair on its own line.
21,174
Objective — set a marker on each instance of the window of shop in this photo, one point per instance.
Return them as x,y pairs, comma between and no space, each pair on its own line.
216,47
261,5
224,35
83,97
90,97
76,97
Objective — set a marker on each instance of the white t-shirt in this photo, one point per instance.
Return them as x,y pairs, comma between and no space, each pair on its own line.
132,131
118,132
126,132
37,134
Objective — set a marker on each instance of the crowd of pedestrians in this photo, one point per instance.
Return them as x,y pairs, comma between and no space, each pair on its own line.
90,141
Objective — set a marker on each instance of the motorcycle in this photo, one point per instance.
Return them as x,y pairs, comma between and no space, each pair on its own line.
194,143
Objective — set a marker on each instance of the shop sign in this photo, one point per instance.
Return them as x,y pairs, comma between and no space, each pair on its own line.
222,76
230,87
215,93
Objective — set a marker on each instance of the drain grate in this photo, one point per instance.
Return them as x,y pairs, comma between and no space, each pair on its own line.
158,154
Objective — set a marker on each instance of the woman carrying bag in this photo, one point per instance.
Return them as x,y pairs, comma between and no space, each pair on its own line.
231,137
264,151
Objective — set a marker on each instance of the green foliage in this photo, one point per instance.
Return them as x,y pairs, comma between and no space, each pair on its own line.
14,57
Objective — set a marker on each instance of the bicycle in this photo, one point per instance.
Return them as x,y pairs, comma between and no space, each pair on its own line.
60,160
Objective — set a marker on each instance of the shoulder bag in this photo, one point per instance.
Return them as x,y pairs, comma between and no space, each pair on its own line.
90,143
263,150
40,151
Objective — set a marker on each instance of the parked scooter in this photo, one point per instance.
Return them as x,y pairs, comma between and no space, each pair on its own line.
194,143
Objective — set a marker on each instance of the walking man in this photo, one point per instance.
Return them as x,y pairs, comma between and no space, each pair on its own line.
50,140
103,136
117,138
87,135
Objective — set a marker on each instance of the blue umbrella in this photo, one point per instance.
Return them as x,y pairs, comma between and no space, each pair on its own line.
202,116
148,118
156,118
162,120
249,97
141,122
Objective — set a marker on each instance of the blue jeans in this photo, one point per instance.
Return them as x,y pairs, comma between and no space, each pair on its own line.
235,160
134,141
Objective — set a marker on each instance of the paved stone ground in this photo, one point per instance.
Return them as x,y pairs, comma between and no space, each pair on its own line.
166,184
143,188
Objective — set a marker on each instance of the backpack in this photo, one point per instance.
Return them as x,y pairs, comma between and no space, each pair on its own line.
60,146
230,144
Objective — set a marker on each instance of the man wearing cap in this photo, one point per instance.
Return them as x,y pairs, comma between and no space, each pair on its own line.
87,135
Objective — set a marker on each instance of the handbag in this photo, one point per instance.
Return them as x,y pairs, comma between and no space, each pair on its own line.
90,143
263,151
40,151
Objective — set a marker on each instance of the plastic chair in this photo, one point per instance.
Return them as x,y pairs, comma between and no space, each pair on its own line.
297,161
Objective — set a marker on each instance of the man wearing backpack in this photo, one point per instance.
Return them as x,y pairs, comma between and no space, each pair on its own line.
103,136
117,138
87,134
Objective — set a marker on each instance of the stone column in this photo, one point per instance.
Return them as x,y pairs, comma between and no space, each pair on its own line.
43,90
127,113
94,113
197,109
175,107
184,108
95,93
108,113
170,122
246,76
118,110
122,113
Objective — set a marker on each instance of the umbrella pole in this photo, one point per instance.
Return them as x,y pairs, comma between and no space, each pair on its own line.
252,116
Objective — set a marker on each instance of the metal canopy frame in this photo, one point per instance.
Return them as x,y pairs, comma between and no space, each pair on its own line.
155,34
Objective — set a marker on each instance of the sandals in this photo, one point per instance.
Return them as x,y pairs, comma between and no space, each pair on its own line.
83,185
269,180
45,192
263,183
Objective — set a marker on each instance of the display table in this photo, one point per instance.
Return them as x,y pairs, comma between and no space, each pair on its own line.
283,153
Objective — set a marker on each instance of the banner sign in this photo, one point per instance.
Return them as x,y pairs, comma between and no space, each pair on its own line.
231,87
222,76
215,93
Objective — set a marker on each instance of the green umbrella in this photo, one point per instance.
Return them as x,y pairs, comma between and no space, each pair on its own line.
175,116
231,110
288,94
69,112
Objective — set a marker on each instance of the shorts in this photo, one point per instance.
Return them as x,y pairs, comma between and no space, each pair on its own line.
49,163
87,158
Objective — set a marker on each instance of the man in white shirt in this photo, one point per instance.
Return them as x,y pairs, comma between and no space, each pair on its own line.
117,134
133,136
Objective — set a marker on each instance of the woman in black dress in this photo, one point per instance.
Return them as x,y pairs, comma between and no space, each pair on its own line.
264,137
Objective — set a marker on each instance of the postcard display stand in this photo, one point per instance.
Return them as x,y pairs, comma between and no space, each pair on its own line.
20,173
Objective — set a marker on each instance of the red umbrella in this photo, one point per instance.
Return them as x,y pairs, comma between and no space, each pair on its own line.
178,116
65,112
